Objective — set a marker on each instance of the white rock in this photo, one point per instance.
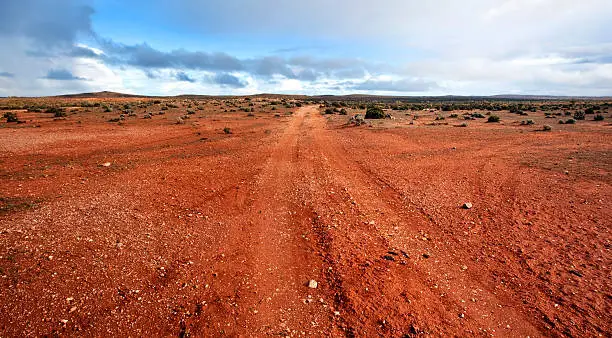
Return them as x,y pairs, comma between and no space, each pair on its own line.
313,284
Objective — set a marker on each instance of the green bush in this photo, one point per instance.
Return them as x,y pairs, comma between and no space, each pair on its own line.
374,113
546,128
10,117
570,121
493,119
579,115
57,112
227,130
598,117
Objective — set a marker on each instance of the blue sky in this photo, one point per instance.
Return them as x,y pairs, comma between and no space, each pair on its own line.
389,47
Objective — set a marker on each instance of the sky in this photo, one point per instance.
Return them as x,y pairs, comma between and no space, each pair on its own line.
239,47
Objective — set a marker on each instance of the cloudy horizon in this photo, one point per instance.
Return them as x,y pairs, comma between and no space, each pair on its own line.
234,47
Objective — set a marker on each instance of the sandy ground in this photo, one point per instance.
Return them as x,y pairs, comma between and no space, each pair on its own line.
191,231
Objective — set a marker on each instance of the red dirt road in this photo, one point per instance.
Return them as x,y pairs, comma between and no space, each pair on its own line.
193,232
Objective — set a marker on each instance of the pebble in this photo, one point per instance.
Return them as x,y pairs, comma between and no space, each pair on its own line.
313,284
467,205
105,164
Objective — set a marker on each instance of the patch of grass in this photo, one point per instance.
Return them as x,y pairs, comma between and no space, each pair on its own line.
227,130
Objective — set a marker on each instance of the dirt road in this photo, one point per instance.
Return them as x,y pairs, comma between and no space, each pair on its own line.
190,232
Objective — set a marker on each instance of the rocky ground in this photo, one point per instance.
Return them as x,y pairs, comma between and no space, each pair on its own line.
291,222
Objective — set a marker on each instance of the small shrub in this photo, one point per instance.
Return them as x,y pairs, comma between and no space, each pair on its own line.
227,130
561,122
60,113
329,111
493,119
546,128
570,121
453,116
57,112
598,117
343,112
478,116
11,117
464,124
527,122
374,113
107,109
579,115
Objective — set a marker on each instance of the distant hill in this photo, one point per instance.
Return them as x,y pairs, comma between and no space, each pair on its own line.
350,97
96,95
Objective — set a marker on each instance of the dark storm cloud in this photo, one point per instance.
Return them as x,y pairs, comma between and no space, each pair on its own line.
7,74
404,85
228,80
300,68
48,23
81,52
182,76
62,75
145,56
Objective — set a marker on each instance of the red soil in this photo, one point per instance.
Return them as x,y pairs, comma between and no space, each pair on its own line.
194,231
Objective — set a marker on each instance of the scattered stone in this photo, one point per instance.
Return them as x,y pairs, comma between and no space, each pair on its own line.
389,257
467,205
463,267
105,164
576,273
179,120
426,255
147,116
313,284
461,315
72,309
